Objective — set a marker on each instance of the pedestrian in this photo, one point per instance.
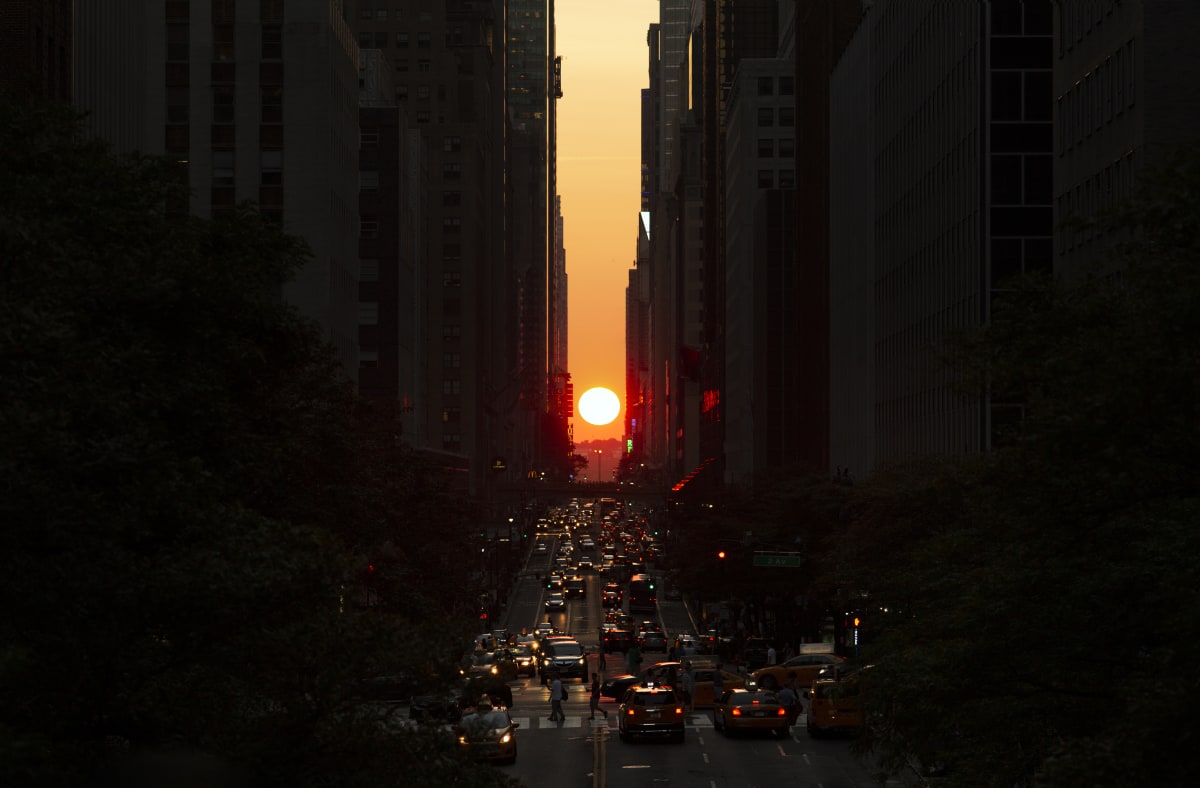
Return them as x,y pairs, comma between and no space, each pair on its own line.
687,685
556,699
633,658
789,699
771,654
672,654
718,684
603,660
596,698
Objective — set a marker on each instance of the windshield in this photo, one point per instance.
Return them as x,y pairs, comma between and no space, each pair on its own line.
491,720
568,650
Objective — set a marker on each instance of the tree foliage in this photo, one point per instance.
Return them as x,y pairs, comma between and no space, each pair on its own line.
1040,600
191,495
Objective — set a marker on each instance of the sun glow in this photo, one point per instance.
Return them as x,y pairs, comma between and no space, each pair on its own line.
599,406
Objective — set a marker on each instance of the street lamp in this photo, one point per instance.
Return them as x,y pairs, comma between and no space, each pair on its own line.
599,464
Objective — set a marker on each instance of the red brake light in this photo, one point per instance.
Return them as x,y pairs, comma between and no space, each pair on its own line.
737,712
781,713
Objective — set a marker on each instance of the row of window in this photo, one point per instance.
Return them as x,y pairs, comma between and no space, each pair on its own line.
1104,93
770,86
767,116
379,40
784,147
223,45
270,168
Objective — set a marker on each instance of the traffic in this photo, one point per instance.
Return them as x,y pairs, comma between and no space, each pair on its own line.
592,658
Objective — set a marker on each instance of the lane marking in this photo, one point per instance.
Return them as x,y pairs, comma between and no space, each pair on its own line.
705,754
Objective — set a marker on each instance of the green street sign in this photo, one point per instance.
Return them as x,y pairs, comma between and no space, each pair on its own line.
790,560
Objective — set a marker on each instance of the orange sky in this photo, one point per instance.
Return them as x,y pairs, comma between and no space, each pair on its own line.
604,70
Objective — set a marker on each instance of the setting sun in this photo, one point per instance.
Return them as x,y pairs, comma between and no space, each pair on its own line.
599,406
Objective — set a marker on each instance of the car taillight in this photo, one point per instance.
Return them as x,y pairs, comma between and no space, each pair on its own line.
737,712
629,712
781,713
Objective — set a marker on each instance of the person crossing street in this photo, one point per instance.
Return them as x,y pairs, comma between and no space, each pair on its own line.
595,702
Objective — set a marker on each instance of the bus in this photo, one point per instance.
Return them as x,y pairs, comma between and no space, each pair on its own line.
642,594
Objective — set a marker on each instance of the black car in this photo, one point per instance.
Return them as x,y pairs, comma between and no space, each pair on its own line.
618,640
564,658
653,641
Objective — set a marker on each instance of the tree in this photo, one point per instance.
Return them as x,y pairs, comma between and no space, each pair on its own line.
1040,600
186,495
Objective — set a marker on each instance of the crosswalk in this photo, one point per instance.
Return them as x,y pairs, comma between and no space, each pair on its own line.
579,721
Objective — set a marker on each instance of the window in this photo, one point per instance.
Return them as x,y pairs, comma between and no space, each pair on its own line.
423,92
452,360
423,65
381,40
223,104
423,40
787,86
270,10
766,148
452,144
402,40
368,270
423,116
766,116
272,104
787,179
451,279
177,105
368,139
766,179
452,224
787,116
452,387
368,313
452,415
451,331
452,442
223,51
368,228
451,199
766,86
451,252
452,171
272,42
222,168
177,42
368,180
270,163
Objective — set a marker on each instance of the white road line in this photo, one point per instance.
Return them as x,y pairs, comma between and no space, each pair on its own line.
705,756
781,752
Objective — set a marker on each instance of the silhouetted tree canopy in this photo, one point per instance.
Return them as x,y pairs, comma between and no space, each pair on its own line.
1040,624
191,497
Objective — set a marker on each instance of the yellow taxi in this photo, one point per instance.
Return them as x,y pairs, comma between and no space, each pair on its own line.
835,703
750,710
813,657
704,669
651,710
487,732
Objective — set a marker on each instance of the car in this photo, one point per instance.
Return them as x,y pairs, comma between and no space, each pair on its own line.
586,563
563,658
542,629
803,667
541,549
575,588
650,711
653,641
742,709
497,663
618,640
525,658
488,733
555,601
610,599
648,626
834,705
703,671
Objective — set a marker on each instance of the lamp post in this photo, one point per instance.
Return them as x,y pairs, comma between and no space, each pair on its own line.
599,464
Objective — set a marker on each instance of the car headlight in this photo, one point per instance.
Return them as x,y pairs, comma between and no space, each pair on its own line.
581,661
506,738
462,739
495,670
